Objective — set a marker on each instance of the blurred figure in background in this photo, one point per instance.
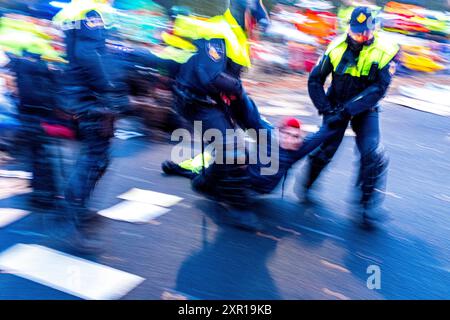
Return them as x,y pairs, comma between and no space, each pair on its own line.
250,14
35,83
30,52
362,65
89,95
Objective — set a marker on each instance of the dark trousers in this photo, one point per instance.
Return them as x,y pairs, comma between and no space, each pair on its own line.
224,179
41,159
373,162
94,136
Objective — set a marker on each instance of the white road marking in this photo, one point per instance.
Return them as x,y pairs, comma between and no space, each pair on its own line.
442,197
334,266
16,174
438,109
73,275
125,135
335,294
133,211
150,197
10,187
9,215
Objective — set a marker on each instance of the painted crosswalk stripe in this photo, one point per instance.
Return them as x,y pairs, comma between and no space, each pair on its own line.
150,197
169,294
425,106
16,174
73,275
9,215
134,211
125,135
11,187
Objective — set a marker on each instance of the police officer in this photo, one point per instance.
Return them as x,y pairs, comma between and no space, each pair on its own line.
89,95
209,89
34,80
362,64
30,56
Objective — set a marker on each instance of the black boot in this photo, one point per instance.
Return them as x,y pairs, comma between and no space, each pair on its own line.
171,168
316,163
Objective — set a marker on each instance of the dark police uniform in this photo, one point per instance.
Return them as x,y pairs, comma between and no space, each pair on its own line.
199,85
202,82
89,95
35,83
360,79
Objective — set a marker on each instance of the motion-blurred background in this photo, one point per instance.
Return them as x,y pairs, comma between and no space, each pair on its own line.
306,252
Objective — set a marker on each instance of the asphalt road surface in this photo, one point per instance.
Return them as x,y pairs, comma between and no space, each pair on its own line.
305,252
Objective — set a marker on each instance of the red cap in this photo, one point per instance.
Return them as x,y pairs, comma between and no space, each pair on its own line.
291,122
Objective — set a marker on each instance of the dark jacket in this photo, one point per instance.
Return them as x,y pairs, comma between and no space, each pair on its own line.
354,93
87,82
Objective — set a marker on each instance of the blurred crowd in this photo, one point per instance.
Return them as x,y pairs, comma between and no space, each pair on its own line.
51,75
298,35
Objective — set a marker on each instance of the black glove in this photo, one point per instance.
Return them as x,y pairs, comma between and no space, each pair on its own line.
338,119
331,110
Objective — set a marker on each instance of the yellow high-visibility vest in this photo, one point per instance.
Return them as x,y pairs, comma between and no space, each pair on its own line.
219,27
77,10
381,51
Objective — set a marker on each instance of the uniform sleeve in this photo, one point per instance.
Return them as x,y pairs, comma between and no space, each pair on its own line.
369,98
146,58
91,53
99,78
316,82
211,71
228,84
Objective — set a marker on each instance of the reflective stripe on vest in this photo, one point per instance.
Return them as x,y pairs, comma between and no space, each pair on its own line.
177,42
219,27
174,54
18,41
381,51
77,10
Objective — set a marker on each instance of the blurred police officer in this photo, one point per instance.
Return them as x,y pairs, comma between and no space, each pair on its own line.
362,64
34,81
30,61
89,95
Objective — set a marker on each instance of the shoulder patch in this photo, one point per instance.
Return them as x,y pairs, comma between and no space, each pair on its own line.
95,22
215,51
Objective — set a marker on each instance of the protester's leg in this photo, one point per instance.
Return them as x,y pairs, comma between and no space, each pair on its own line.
95,134
317,161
